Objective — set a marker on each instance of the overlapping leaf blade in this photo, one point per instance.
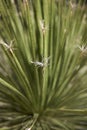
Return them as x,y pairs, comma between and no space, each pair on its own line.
46,86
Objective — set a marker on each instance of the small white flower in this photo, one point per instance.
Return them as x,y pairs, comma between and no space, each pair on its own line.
83,50
37,63
44,62
43,27
8,46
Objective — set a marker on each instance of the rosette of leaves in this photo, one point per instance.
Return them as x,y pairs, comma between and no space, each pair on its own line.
43,82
